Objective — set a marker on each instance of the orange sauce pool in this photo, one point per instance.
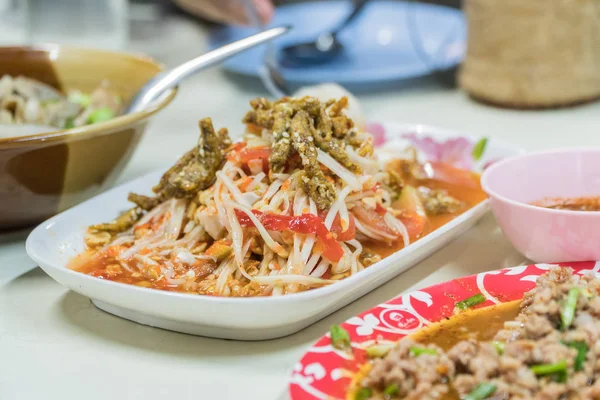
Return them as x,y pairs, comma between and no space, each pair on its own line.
470,195
91,263
572,204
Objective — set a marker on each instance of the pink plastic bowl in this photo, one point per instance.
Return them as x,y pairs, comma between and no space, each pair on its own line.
542,234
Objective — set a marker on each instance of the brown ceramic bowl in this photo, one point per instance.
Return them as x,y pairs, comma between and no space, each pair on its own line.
43,174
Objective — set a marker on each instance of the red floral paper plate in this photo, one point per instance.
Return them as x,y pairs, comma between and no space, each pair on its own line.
325,373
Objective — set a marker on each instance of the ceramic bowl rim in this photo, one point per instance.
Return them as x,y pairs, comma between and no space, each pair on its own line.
485,185
118,123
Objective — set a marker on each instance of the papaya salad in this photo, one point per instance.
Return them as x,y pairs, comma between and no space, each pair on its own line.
301,201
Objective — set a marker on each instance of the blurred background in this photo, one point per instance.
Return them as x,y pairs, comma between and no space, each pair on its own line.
401,58
172,32
112,24
516,54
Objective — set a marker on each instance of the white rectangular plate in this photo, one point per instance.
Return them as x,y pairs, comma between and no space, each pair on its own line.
53,243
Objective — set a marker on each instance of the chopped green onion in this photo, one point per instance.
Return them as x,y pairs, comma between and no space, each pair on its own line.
363,394
560,377
378,350
391,390
479,148
100,115
340,338
499,347
582,350
470,302
567,312
82,99
481,391
69,123
550,369
417,351
556,372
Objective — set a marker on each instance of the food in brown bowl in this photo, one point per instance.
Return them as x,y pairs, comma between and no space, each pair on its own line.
28,101
44,173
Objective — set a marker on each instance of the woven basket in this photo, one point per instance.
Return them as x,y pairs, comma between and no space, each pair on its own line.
532,53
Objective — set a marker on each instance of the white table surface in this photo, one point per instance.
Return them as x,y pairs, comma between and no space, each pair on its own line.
54,344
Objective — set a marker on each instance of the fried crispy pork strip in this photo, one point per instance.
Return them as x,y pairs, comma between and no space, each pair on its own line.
193,172
196,170
320,125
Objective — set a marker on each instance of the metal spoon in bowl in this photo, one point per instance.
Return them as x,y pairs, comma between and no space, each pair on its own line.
166,80
326,46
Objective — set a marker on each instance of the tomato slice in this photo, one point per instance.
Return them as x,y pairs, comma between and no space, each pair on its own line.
336,227
449,174
249,154
379,209
414,223
413,214
372,219
234,148
346,235
254,153
244,155
305,223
